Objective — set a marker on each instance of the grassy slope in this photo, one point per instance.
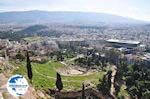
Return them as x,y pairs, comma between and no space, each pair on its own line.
123,92
32,39
44,76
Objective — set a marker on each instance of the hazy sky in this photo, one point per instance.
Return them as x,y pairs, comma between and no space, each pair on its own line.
138,9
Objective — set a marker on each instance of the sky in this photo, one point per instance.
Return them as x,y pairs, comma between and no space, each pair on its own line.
137,9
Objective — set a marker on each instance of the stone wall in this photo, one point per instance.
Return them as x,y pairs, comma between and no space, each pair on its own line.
89,93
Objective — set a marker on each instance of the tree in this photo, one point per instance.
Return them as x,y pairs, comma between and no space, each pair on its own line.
103,61
29,68
146,95
20,56
117,88
60,56
113,56
137,81
59,83
105,85
83,91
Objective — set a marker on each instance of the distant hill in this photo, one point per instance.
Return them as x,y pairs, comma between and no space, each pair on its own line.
42,17
39,30
33,29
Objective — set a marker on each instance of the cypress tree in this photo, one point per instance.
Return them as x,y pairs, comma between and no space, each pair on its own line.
83,91
29,68
59,83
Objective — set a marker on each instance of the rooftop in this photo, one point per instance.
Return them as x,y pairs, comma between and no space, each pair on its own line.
123,41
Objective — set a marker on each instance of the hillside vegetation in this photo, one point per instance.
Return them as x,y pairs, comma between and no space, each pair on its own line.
45,76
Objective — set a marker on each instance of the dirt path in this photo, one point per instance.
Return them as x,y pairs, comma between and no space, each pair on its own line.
72,59
2,85
49,77
112,89
78,56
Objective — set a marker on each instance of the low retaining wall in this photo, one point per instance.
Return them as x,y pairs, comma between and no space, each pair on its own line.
89,93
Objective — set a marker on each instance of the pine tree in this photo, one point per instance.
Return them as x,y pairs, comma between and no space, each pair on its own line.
59,83
29,68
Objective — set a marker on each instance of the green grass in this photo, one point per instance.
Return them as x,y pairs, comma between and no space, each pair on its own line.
44,76
31,39
123,92
1,70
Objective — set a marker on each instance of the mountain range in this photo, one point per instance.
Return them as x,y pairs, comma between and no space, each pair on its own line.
42,17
